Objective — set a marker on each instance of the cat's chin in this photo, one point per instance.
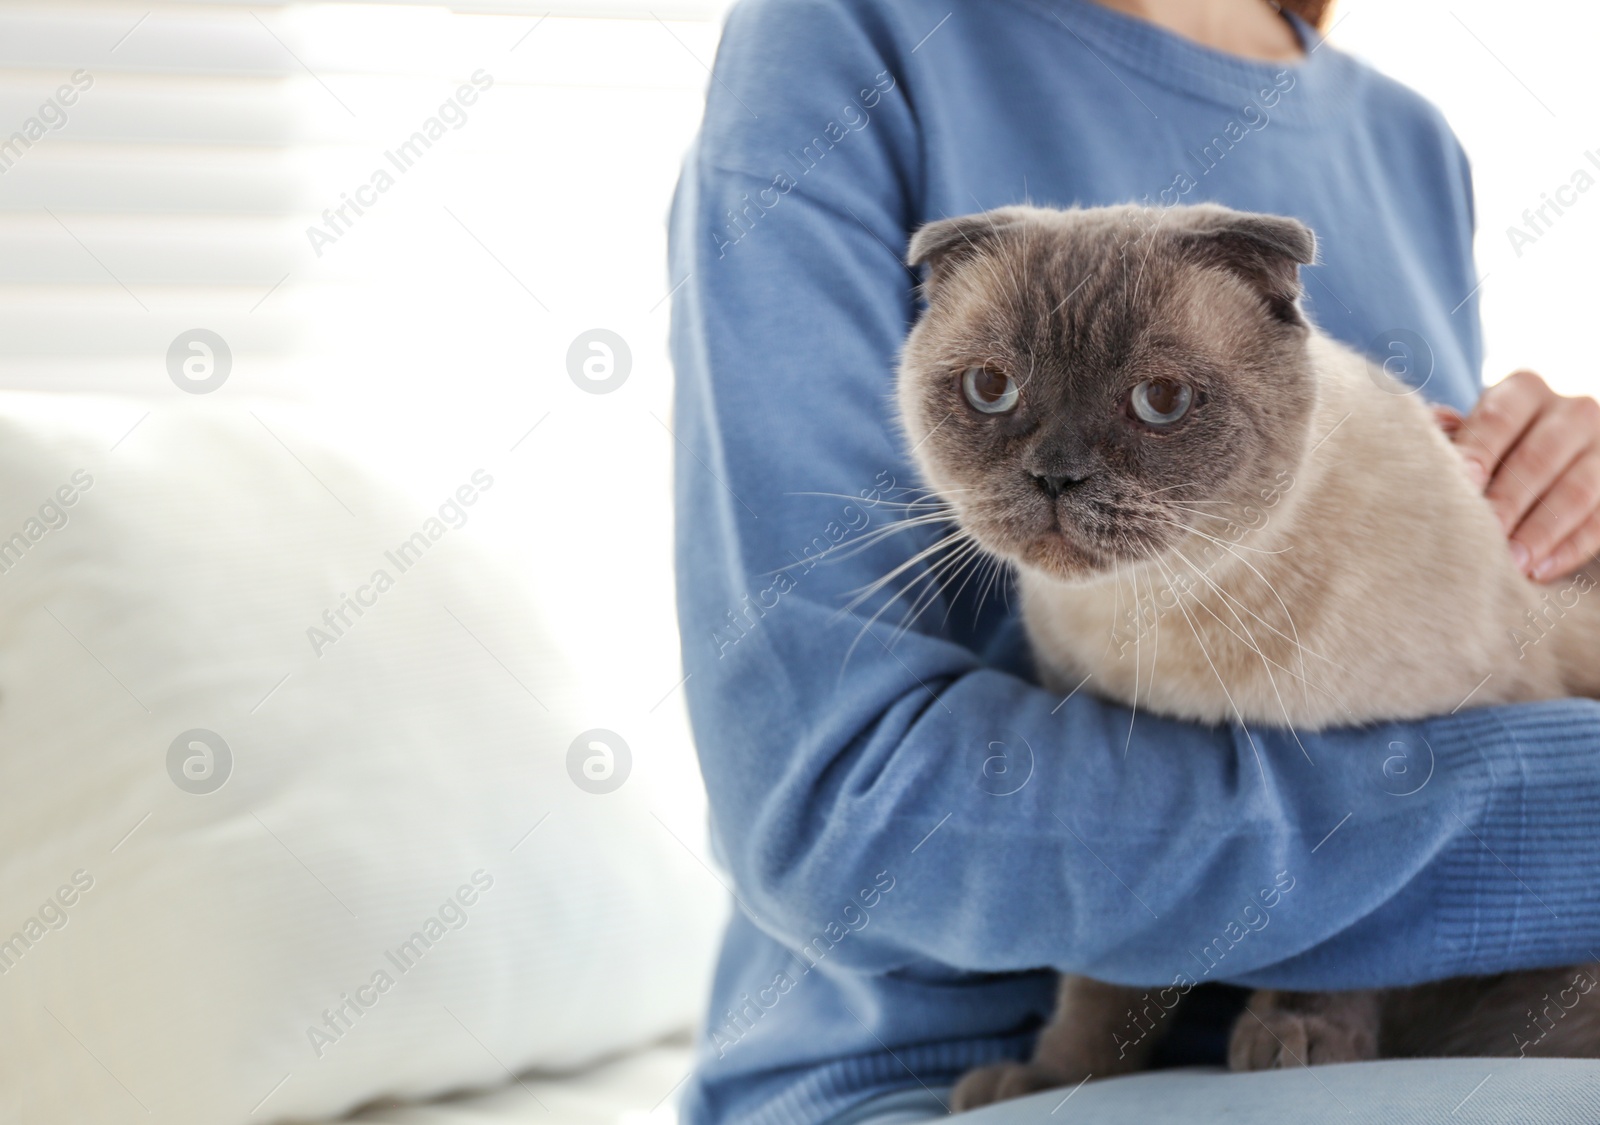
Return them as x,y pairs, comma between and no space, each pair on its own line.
1063,559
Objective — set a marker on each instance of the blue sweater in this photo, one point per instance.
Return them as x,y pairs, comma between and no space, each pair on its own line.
915,831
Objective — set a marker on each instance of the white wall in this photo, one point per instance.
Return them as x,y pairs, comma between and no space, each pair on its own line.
1517,83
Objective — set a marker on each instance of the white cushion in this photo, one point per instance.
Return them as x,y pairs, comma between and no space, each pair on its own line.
403,771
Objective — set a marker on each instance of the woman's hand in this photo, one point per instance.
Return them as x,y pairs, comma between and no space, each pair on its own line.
1536,454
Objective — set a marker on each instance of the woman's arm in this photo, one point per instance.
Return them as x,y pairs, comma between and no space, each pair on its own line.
1410,851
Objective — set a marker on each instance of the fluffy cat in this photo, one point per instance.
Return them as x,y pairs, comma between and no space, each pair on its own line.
1216,513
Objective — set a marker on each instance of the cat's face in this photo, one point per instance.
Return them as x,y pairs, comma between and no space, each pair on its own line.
1086,384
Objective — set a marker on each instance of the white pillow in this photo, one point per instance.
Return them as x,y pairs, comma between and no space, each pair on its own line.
393,768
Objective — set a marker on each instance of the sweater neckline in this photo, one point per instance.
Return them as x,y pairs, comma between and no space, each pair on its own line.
1322,77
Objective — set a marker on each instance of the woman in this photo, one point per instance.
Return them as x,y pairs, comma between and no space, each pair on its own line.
915,830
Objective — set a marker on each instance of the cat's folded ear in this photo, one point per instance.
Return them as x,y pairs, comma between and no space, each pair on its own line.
946,243
1265,250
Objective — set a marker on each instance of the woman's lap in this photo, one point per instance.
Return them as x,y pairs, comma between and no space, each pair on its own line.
1397,1092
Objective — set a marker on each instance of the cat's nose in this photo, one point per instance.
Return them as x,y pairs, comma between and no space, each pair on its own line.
1054,486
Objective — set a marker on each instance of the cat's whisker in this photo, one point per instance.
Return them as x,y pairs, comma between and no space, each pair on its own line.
1116,605
903,523
1219,542
855,546
1295,640
932,583
982,571
1266,662
1233,603
1307,684
1273,590
907,489
998,569
1181,484
999,581
1155,651
1196,507
1140,552
1156,609
977,557
945,543
943,573
1199,640
867,628
962,566
921,502
1287,616
862,593
1212,516
1138,660
940,576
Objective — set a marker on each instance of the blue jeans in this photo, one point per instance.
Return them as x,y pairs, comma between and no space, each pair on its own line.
1393,1092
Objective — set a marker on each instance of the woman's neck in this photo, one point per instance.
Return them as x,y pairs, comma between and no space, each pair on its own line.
1252,29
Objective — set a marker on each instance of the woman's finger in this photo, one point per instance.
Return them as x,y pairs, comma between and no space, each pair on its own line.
1572,554
1562,514
1564,430
1449,419
1501,416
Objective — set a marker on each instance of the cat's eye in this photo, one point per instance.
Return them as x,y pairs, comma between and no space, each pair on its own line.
989,390
1161,402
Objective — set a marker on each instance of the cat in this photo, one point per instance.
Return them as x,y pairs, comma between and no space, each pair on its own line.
1216,512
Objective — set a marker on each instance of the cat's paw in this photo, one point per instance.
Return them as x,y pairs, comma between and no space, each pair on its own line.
997,1083
1275,1039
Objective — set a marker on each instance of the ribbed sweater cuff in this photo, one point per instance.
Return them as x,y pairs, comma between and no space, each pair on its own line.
1520,882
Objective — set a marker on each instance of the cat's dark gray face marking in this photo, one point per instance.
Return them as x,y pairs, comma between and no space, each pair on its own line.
1094,321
